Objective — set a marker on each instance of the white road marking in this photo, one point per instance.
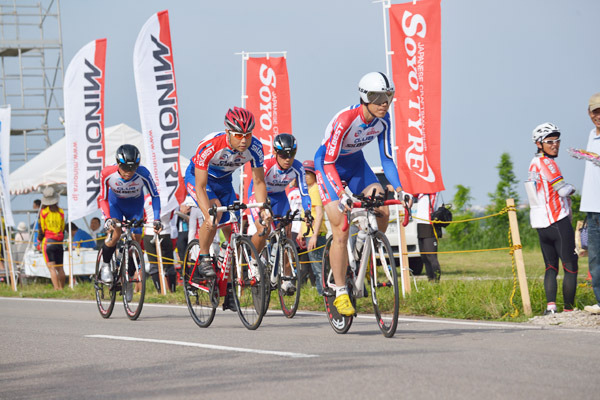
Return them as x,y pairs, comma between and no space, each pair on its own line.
206,346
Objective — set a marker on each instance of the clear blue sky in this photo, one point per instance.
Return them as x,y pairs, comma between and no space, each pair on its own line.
507,66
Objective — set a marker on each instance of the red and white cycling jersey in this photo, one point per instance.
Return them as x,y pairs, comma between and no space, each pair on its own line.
547,207
215,155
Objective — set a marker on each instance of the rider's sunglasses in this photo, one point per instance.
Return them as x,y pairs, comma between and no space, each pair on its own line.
285,154
240,135
380,98
551,141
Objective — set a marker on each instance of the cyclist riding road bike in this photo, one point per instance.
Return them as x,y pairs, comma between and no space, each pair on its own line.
340,157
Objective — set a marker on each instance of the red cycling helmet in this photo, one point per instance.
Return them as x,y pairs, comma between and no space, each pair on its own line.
239,120
309,166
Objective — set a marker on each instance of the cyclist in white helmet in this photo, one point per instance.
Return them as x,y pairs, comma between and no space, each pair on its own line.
549,198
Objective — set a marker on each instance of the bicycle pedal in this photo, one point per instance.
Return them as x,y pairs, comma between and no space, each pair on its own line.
328,292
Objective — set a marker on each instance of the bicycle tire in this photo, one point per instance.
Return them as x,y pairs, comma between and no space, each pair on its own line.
198,301
289,303
249,288
340,323
383,281
133,307
105,292
265,256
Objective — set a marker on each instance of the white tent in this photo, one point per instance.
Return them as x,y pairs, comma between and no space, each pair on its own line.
50,166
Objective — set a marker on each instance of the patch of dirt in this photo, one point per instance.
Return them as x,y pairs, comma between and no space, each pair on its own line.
572,319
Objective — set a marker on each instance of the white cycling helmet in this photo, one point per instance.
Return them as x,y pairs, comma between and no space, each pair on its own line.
374,87
544,130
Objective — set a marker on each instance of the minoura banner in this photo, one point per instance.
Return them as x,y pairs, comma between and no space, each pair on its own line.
415,33
5,164
268,98
84,127
154,72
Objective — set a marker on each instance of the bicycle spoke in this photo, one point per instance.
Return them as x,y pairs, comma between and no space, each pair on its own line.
198,299
383,280
288,286
134,281
249,283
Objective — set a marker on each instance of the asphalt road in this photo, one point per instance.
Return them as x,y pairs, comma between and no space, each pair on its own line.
54,349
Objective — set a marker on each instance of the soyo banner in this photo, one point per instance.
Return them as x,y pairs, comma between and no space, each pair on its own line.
84,127
268,98
415,33
154,72
5,164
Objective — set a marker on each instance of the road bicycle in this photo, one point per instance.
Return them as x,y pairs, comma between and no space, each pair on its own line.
128,271
237,257
372,265
282,264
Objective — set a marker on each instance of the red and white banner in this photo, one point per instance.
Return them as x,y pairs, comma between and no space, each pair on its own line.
268,98
5,165
84,127
415,33
154,72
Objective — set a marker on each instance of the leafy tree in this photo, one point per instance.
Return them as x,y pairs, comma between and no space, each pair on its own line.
462,236
507,185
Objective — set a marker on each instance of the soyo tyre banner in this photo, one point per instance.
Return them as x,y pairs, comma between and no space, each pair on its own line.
84,127
5,164
268,98
415,33
154,72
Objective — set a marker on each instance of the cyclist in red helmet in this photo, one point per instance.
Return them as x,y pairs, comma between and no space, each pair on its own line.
209,177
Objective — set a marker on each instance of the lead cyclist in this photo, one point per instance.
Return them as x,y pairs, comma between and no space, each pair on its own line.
340,157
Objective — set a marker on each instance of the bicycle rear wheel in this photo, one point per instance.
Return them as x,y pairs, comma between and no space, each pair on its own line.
105,292
198,299
134,285
249,283
289,299
340,323
383,280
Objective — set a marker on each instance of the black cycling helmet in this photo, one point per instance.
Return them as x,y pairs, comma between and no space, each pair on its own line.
285,145
128,157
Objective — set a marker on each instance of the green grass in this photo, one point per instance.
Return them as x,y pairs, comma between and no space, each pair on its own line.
473,286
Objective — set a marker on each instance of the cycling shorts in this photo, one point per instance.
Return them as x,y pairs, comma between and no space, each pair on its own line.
353,169
129,209
280,205
53,251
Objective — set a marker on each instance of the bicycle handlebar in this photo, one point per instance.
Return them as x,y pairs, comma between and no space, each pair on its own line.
374,201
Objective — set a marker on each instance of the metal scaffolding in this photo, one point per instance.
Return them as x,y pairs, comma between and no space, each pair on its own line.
31,79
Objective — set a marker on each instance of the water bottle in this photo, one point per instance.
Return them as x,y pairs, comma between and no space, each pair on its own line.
222,252
360,242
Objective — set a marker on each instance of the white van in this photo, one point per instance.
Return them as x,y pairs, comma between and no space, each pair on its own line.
412,243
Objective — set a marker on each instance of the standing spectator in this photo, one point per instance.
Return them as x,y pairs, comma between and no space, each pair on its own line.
428,239
21,242
37,204
551,215
81,238
183,218
590,202
51,233
97,232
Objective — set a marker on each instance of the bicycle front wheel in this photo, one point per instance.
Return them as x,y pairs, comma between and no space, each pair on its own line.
134,281
384,284
198,299
249,283
340,323
105,292
289,268
269,287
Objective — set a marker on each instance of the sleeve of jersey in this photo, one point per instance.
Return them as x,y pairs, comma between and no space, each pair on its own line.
103,197
152,190
551,173
385,152
258,155
333,146
301,179
204,155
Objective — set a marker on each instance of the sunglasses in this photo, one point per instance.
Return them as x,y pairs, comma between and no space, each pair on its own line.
380,98
240,135
286,154
128,167
551,141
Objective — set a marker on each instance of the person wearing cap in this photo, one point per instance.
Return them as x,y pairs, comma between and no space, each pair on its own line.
318,235
51,233
590,202
550,213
